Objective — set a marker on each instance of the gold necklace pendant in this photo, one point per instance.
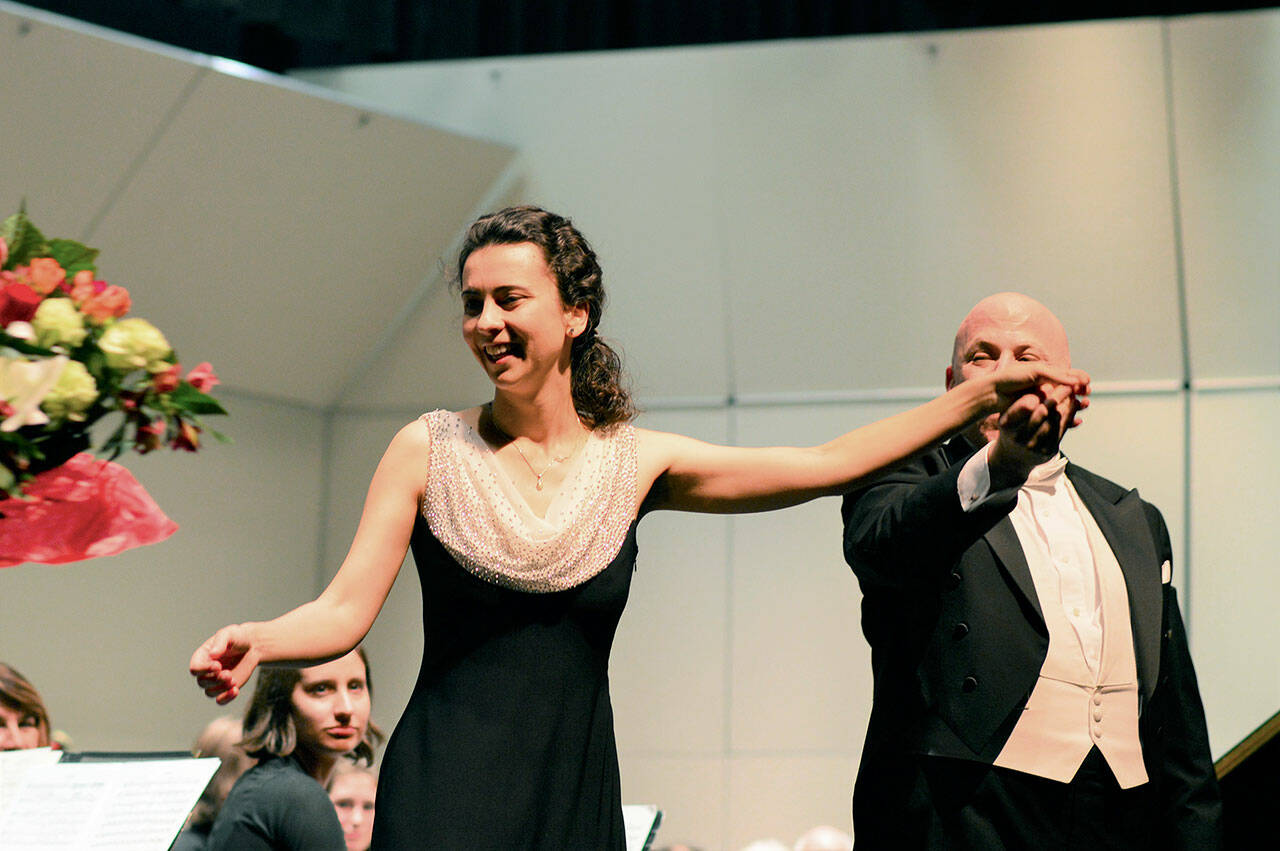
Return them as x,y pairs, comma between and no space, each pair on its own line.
555,459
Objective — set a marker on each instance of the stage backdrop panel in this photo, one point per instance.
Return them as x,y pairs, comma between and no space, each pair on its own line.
1235,633
669,676
1226,76
622,144
880,187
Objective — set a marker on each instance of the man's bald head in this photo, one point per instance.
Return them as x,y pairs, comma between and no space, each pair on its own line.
1001,329
1019,317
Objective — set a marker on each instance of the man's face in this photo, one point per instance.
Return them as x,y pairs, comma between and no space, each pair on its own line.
1001,330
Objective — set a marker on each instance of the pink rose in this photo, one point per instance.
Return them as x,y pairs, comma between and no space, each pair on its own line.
18,302
110,302
202,378
82,286
45,275
167,380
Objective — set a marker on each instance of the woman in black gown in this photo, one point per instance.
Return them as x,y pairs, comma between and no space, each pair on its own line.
521,516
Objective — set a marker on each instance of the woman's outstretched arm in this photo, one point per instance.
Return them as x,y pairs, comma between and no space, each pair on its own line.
338,619
688,475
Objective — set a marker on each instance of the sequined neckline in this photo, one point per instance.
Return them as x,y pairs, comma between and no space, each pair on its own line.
572,469
480,517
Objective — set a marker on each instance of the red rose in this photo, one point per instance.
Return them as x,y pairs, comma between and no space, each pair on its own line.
18,303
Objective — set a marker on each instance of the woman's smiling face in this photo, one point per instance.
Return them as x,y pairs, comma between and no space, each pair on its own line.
513,319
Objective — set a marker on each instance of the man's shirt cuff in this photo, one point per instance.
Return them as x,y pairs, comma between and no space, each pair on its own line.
974,483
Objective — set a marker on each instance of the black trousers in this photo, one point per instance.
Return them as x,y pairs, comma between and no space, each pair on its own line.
981,807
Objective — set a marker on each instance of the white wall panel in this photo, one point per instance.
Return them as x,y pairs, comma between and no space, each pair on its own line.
781,797
394,643
690,791
1226,85
107,641
1138,442
669,664
878,187
622,144
1235,585
801,668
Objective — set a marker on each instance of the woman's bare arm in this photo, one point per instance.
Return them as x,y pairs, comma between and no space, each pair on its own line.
333,623
688,475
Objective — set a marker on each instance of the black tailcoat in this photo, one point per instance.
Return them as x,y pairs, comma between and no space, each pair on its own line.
958,639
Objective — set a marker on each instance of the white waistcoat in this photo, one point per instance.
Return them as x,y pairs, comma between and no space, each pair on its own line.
1074,707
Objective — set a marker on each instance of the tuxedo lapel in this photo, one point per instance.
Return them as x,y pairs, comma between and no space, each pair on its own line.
1003,540
1124,525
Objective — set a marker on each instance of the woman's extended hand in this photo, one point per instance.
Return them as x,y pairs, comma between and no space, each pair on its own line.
224,663
1017,380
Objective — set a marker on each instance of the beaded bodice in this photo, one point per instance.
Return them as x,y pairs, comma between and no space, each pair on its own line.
480,517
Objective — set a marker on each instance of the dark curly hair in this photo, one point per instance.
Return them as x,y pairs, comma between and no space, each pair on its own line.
597,380
269,725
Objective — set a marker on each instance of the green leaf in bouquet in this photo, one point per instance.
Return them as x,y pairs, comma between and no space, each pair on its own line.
188,398
23,238
72,256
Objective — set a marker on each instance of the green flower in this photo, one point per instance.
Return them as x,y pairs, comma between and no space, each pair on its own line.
72,394
57,321
135,344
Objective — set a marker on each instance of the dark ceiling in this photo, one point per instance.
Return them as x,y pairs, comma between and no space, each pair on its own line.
283,34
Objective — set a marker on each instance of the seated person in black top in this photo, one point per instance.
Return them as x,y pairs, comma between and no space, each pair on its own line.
300,722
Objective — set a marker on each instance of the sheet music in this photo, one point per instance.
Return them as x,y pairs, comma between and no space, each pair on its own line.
14,765
640,823
126,806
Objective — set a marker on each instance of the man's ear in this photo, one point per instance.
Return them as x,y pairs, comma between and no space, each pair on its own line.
949,376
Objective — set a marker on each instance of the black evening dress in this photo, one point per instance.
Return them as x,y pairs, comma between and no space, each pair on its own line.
507,741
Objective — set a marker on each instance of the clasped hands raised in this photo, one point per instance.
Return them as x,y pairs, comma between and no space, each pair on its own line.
1035,416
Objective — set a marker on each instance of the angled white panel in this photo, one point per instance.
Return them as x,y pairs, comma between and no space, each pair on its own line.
878,187
621,143
1235,634
427,365
801,667
1226,88
668,672
78,109
249,521
278,231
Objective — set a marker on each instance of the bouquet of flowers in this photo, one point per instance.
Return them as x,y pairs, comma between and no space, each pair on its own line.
70,359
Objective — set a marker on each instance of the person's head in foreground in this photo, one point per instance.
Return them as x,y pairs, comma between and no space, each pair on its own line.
316,714
24,722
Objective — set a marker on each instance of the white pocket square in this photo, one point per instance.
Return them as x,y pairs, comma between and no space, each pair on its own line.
1166,572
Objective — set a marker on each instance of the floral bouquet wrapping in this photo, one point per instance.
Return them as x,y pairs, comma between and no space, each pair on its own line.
77,375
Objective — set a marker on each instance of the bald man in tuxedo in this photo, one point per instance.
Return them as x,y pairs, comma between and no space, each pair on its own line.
1033,685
